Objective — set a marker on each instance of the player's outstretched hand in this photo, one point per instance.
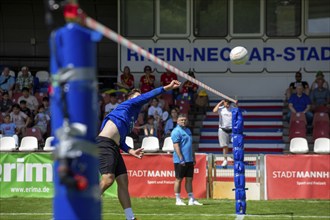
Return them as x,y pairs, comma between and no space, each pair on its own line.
136,153
173,85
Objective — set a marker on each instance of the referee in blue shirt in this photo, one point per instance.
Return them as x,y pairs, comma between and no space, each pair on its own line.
114,129
184,159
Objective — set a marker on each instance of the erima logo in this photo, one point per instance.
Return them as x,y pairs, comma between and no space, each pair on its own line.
26,172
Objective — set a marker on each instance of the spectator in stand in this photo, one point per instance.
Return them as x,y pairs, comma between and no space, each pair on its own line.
7,82
150,128
5,104
154,108
224,109
127,79
184,160
293,85
111,105
157,113
189,89
171,122
138,126
162,103
25,80
8,129
27,111
202,100
319,75
31,100
320,96
147,81
166,79
299,102
41,120
20,119
45,102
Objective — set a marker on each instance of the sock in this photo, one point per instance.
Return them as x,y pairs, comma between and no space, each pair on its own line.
191,196
177,196
129,213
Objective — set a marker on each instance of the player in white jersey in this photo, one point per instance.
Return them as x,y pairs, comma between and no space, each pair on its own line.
224,109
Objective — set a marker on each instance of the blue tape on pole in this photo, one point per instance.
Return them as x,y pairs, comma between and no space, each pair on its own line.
238,154
237,121
240,194
239,167
239,181
238,141
73,48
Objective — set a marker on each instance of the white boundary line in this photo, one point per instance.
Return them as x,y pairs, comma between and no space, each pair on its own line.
182,214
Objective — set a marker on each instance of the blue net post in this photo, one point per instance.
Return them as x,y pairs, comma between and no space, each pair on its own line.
74,108
239,167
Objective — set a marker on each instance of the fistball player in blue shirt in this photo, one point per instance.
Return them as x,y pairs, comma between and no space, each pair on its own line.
115,127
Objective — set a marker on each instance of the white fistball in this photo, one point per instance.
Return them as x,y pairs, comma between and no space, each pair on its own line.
238,55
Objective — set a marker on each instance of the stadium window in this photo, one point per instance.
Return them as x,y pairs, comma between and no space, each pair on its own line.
210,18
318,17
172,18
137,18
246,17
283,18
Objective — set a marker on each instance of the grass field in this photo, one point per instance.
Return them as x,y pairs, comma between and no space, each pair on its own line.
161,208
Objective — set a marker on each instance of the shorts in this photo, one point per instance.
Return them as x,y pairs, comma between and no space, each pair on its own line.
110,159
224,138
184,171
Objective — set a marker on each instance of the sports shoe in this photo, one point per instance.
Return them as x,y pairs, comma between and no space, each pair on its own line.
224,163
180,202
194,202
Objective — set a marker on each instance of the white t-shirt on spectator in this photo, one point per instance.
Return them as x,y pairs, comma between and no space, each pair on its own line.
225,117
18,119
31,102
152,110
109,107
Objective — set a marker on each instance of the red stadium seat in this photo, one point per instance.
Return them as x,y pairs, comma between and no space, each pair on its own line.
184,106
16,96
321,109
168,98
320,116
121,97
297,129
298,117
321,129
35,132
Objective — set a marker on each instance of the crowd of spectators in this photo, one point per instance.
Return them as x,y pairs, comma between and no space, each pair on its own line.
158,117
20,109
307,100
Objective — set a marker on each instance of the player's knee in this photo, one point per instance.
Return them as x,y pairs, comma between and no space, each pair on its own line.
179,180
108,180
